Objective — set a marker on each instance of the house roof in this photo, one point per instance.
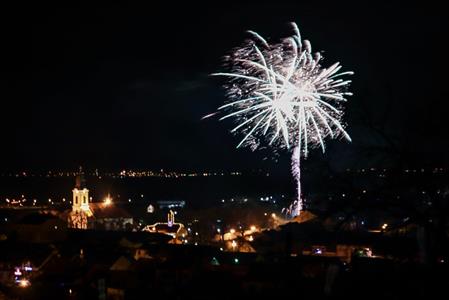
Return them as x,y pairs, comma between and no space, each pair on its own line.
19,252
165,228
36,219
123,263
304,217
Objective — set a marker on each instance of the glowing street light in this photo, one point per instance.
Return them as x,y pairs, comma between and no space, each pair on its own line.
107,201
234,245
24,283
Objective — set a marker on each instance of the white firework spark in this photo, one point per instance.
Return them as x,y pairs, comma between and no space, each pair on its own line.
280,94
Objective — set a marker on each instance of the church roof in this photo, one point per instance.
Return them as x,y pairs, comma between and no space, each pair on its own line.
102,211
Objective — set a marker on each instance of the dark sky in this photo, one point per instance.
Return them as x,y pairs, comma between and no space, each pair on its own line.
125,87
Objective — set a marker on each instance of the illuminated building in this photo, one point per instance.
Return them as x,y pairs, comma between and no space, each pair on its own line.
78,217
103,215
170,227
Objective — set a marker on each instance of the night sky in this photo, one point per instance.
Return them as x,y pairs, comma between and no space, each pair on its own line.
125,87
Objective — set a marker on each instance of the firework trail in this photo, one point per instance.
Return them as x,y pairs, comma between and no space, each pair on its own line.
281,95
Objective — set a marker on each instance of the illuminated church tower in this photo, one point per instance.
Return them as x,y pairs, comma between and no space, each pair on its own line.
80,200
80,213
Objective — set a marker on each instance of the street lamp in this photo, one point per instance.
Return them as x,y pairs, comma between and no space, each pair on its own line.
234,245
107,201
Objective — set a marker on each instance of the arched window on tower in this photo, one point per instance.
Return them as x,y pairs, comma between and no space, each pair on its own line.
76,200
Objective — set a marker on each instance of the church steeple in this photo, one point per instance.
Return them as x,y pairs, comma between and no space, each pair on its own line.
80,180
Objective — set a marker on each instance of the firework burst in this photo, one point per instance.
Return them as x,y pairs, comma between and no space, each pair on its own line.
281,95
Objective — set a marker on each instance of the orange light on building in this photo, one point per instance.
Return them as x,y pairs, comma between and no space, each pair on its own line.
107,201
24,283
234,245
